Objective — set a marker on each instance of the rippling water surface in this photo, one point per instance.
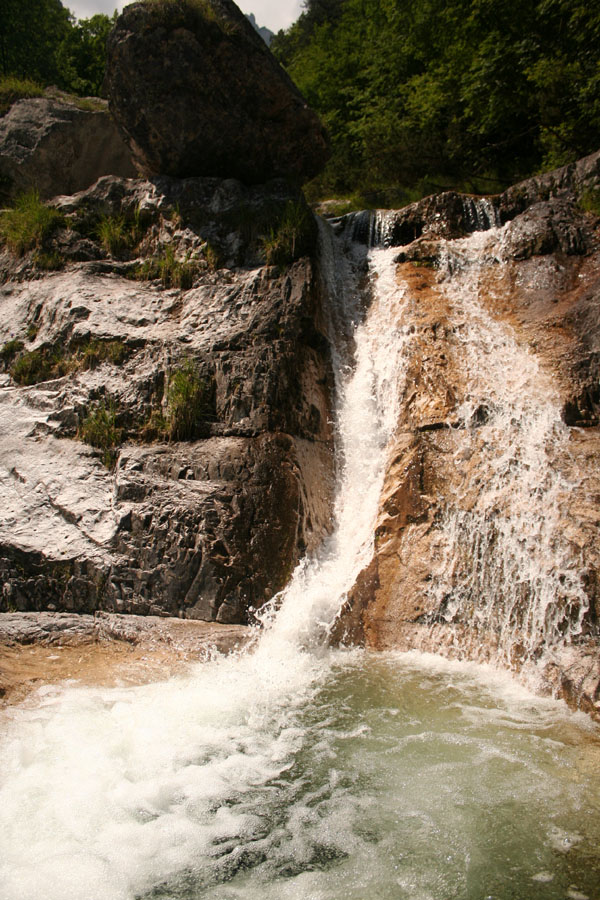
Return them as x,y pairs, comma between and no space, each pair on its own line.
395,776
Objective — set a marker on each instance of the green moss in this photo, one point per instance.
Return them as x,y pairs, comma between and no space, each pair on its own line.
13,89
29,223
189,403
90,104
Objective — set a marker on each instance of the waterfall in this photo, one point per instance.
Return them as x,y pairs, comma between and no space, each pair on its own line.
296,770
368,388
167,759
506,568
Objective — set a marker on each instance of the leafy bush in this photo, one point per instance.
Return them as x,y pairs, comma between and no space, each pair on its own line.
29,223
189,403
13,89
291,237
99,429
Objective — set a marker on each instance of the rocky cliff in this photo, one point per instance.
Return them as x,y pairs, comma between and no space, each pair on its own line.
487,540
165,402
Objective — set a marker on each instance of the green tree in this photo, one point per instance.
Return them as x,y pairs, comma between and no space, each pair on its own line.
81,55
31,32
421,95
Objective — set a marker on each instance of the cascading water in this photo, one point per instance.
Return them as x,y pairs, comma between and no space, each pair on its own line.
295,770
506,567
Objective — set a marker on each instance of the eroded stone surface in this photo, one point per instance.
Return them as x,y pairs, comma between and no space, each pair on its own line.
202,528
57,144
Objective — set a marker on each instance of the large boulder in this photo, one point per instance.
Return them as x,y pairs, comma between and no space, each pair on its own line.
196,91
58,144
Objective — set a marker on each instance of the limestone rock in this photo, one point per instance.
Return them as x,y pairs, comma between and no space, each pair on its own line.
196,91
201,528
59,144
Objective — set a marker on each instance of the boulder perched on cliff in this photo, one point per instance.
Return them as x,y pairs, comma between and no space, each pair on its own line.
197,92
58,144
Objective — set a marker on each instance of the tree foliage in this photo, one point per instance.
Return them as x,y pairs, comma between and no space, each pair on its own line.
41,41
440,93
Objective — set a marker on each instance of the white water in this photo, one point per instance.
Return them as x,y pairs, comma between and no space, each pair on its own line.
506,567
296,771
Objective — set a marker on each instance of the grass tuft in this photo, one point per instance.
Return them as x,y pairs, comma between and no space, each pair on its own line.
291,237
189,403
10,349
589,201
28,224
13,89
99,429
35,366
118,234
171,271
94,353
47,363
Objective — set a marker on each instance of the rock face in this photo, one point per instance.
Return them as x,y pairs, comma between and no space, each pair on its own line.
59,144
487,540
106,648
196,91
205,527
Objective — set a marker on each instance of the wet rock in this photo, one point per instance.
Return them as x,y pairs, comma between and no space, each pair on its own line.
40,649
59,144
196,91
448,215
538,281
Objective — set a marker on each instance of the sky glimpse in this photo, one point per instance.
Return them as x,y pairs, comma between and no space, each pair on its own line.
275,14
